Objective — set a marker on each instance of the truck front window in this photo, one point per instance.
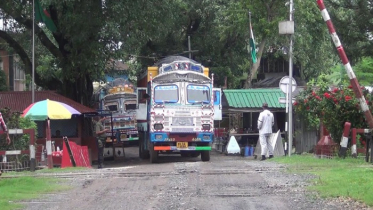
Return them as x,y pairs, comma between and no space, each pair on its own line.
112,107
198,94
130,106
166,93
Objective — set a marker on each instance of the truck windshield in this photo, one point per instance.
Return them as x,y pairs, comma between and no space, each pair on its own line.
112,106
130,106
166,93
198,94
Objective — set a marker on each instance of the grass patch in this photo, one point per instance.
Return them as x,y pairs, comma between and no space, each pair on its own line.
348,177
13,190
63,170
46,171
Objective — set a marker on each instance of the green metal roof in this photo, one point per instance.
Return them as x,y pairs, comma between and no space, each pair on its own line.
254,98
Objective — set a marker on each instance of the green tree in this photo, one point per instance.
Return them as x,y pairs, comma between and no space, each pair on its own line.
363,70
3,81
351,19
333,107
312,50
14,120
89,34
216,37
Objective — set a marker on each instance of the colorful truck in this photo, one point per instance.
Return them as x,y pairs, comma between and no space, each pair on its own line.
119,99
177,106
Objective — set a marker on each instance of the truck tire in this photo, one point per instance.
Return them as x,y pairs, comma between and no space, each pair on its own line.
205,156
153,155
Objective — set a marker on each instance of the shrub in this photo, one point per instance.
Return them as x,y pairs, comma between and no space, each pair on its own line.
14,120
331,106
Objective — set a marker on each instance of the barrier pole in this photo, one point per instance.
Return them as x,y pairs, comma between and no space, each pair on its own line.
344,139
342,55
31,133
48,144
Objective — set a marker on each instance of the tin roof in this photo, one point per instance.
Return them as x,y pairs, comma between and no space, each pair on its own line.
254,98
18,101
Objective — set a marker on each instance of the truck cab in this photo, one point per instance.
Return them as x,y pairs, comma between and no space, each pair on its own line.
121,101
179,109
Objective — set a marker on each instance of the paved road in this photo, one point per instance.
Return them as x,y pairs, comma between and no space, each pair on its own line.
226,182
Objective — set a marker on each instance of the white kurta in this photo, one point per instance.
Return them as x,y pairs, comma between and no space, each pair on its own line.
265,122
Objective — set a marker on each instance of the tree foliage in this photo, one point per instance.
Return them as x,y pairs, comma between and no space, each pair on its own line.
89,34
352,20
92,33
363,70
333,107
14,120
3,81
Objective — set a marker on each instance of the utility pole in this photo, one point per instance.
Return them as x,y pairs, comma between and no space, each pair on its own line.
33,53
290,98
287,28
190,51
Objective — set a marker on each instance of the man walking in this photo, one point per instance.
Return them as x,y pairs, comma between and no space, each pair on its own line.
100,136
265,123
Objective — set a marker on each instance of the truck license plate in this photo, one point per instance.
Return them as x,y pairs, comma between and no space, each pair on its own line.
182,145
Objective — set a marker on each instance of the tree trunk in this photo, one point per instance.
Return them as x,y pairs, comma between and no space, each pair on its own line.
256,65
80,90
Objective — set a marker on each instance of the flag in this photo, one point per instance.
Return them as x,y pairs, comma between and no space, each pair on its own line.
42,15
252,44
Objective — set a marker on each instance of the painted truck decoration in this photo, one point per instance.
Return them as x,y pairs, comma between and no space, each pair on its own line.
121,100
177,106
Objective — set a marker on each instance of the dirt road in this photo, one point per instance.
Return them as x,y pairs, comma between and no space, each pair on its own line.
226,182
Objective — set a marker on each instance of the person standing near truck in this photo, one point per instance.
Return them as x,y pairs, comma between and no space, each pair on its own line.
100,136
265,123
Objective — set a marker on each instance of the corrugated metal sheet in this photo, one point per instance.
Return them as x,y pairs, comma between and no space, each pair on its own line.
18,101
254,98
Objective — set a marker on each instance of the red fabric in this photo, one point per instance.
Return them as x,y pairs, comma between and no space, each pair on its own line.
65,162
3,128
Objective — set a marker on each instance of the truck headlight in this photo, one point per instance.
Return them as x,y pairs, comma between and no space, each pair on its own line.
158,126
206,137
206,127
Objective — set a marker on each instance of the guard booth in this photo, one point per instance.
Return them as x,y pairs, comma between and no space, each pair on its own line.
241,109
114,148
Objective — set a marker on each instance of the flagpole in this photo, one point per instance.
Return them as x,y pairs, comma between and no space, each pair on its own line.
290,90
33,52
250,19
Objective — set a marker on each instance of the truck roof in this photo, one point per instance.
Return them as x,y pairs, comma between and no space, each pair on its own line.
170,59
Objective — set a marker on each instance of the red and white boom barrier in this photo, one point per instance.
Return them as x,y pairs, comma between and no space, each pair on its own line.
31,150
342,55
354,132
344,139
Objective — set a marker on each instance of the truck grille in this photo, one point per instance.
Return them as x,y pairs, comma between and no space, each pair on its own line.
182,121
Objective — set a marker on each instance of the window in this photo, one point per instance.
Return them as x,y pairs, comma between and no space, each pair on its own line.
166,93
112,106
130,106
19,77
198,94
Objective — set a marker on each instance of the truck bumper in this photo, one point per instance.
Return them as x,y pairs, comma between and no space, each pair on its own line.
174,148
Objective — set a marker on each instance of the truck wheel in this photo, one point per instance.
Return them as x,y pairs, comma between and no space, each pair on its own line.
153,155
205,156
